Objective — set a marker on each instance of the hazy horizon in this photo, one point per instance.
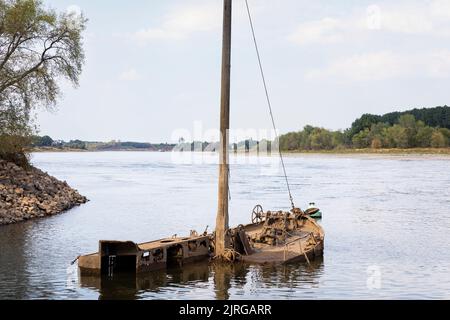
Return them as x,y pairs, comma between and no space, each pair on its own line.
153,67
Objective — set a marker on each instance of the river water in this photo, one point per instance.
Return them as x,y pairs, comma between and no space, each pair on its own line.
386,220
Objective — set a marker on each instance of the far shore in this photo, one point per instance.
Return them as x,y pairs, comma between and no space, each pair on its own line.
395,151
398,151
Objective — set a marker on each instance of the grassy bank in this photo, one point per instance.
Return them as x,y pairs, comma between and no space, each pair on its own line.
67,149
54,149
439,151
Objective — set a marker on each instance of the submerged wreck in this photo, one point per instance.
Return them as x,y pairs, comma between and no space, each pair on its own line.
277,237
272,237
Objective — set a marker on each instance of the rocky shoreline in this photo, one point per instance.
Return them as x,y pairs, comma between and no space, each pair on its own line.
32,193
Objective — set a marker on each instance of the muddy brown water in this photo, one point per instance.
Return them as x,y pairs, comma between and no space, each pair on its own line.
386,219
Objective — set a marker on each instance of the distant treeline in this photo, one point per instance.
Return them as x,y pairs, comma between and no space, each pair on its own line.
48,142
118,145
409,129
417,128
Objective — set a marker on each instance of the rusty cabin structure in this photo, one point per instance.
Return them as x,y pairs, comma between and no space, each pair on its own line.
129,257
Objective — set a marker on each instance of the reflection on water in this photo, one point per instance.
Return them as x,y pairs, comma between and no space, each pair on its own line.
222,276
378,242
130,286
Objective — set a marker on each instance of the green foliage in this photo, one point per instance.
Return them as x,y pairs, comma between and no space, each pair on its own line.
362,140
12,148
44,141
438,140
15,136
445,132
38,47
423,136
365,122
291,141
433,117
312,138
338,139
321,139
396,137
406,133
75,144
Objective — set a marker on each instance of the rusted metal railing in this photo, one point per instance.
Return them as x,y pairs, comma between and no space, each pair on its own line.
301,250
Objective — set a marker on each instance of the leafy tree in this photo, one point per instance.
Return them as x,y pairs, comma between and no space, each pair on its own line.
433,117
312,138
15,134
321,139
377,134
408,122
376,143
76,144
362,140
446,133
396,137
44,141
38,47
308,129
290,141
365,122
438,140
305,137
423,136
47,141
338,139
393,130
347,135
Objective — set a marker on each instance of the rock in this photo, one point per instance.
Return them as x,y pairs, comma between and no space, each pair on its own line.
27,194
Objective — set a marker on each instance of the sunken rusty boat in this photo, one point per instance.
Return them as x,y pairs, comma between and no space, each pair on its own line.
271,237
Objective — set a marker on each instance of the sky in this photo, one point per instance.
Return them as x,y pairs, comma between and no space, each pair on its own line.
152,69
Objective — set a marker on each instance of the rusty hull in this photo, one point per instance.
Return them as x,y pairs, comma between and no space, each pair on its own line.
127,256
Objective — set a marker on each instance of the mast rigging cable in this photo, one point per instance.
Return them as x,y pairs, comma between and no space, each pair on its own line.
268,100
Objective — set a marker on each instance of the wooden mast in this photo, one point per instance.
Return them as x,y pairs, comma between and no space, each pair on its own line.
221,241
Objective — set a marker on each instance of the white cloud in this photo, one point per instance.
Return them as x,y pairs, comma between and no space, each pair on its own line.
409,20
129,75
327,30
424,19
441,8
439,64
183,21
385,65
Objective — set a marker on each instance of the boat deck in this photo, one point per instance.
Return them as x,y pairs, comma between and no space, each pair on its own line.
298,247
167,242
